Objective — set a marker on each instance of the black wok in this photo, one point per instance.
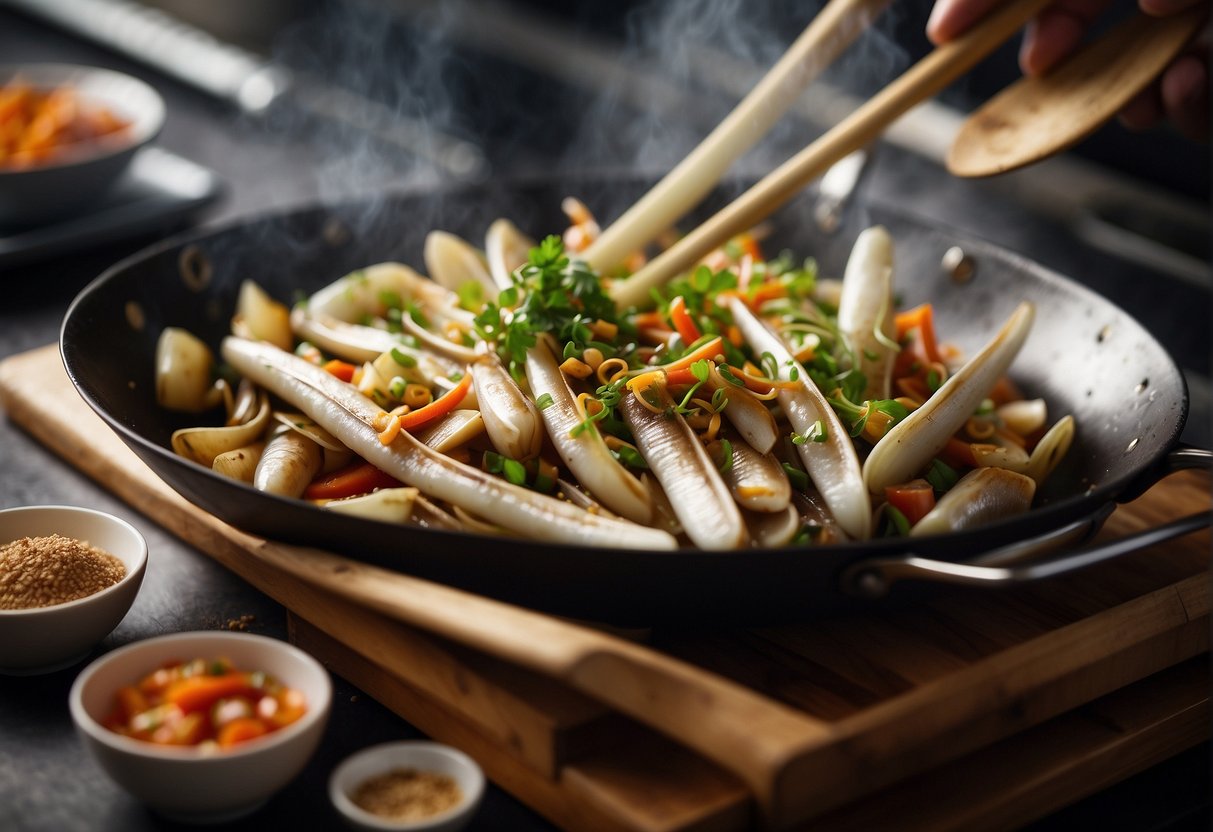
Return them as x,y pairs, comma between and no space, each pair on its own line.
1085,357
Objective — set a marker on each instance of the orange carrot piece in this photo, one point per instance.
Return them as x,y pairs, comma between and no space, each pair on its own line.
240,730
958,454
130,702
914,499
196,693
921,318
341,369
750,246
650,320
709,351
683,322
359,478
680,377
440,406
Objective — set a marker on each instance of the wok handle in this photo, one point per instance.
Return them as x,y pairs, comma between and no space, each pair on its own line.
874,578
1177,459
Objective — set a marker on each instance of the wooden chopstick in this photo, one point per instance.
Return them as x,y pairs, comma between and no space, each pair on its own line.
829,33
926,78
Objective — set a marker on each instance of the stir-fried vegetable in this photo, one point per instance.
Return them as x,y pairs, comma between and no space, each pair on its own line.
755,405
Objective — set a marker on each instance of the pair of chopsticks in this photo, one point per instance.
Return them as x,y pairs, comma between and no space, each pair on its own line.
825,38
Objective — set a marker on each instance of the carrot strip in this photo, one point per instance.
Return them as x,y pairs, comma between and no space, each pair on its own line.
441,406
241,729
681,377
709,351
682,321
196,693
359,478
958,454
921,318
341,369
914,499
650,320
750,246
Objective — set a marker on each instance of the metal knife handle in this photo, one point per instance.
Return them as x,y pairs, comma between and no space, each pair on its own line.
165,43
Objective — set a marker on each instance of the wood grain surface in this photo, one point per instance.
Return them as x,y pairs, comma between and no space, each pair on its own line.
808,717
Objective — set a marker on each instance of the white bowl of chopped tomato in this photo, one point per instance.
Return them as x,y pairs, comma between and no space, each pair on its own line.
67,134
68,576
203,726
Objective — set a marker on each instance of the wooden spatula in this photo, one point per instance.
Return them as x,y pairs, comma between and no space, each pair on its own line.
1038,117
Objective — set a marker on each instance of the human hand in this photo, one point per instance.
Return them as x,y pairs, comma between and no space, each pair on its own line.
1180,94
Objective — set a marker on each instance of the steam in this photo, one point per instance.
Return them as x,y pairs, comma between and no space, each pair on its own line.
412,79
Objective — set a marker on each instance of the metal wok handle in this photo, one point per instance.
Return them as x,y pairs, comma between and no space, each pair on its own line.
873,578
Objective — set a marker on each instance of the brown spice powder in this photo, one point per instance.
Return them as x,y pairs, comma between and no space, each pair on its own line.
407,794
44,571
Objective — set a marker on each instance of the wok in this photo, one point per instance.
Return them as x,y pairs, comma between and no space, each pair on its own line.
1085,356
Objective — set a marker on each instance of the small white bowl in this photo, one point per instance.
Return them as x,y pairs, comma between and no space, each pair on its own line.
189,784
69,183
44,639
421,756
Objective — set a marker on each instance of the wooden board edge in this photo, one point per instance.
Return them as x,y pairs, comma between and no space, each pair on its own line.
1025,777
583,797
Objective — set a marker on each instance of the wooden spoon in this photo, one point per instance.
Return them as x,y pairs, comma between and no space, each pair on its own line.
1037,117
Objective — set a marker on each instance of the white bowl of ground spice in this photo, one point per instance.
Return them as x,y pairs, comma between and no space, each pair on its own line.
68,575
409,785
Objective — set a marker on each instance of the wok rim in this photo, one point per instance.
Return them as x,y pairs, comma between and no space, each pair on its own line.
1050,516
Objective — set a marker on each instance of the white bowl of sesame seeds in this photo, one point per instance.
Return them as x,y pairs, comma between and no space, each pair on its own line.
68,576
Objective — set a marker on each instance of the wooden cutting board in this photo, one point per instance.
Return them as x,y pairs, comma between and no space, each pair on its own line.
643,782
807,717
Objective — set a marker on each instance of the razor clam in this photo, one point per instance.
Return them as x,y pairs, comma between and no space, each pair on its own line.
362,292
585,453
773,529
288,463
979,497
329,318
203,444
511,420
506,248
437,344
830,460
353,342
453,430
260,317
756,480
183,372
911,443
687,474
429,516
751,418
239,464
865,310
353,418
1050,449
387,505
452,262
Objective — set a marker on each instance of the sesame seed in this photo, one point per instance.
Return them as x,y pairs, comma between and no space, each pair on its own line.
45,571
